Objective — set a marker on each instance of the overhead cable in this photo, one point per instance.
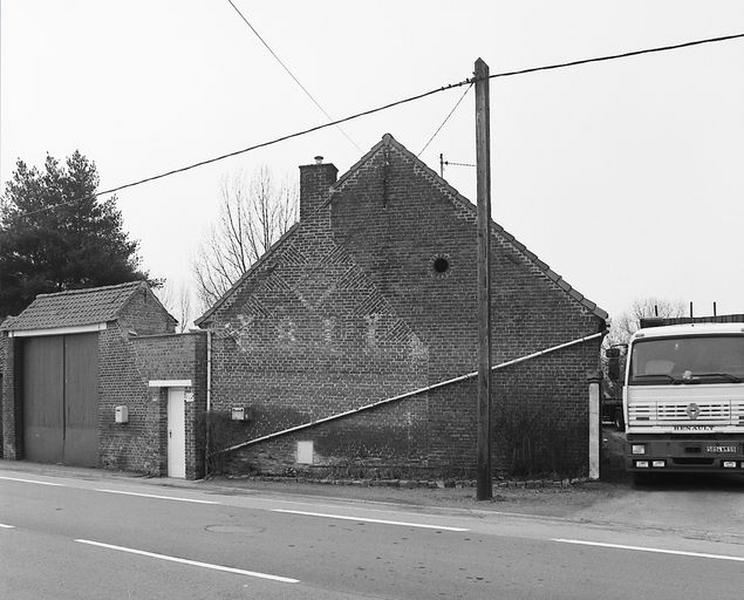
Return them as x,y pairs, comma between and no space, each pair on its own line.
379,109
250,148
630,54
292,75
454,108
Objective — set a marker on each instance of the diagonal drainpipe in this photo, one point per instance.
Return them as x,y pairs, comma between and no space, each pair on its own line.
434,386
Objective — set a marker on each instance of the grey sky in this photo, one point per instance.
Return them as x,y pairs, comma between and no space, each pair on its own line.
624,177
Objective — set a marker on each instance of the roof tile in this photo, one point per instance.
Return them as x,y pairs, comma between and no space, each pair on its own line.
75,307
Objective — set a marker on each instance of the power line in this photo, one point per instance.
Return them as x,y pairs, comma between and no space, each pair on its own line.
585,61
454,108
250,148
286,68
370,111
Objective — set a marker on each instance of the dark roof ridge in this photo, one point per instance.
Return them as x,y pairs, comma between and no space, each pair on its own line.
85,306
93,289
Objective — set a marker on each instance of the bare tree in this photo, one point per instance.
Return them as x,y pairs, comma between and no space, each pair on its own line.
177,301
624,326
253,214
628,322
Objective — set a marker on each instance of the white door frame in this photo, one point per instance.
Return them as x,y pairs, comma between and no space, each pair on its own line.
176,433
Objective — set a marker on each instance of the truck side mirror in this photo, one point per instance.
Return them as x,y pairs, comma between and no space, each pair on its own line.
613,363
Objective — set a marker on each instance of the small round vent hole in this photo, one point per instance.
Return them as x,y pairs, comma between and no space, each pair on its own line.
441,265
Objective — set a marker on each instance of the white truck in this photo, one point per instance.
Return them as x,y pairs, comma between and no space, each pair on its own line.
683,398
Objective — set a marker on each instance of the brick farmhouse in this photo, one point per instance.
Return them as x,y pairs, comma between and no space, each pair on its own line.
372,295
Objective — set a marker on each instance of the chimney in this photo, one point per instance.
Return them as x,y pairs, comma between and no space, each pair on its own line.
315,181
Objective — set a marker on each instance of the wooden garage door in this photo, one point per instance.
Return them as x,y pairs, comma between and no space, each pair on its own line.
43,398
60,400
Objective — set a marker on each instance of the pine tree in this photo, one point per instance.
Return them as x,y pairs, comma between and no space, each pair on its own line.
76,245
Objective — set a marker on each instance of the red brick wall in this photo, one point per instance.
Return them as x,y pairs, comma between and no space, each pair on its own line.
126,366
3,345
136,445
145,315
10,398
396,219
349,310
182,356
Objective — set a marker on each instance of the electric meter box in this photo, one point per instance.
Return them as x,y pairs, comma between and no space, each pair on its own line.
238,413
121,414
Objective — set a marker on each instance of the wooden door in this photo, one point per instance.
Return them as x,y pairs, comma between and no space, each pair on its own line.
60,399
43,399
81,400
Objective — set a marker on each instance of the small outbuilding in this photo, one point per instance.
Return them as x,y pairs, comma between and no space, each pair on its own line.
97,377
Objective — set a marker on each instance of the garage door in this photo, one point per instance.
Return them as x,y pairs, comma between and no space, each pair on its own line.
60,406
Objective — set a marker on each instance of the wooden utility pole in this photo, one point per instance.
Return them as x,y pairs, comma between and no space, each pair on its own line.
483,168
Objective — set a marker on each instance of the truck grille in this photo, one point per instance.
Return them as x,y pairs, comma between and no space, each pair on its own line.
722,412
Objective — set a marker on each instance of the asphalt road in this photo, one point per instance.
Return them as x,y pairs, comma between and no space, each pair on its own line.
77,538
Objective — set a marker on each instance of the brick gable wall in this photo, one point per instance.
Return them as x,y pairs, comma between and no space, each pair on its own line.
309,336
350,310
145,315
396,220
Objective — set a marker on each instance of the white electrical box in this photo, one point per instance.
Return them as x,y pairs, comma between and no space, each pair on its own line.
238,413
305,452
121,414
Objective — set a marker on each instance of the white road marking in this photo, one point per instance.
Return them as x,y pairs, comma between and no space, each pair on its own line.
656,550
158,497
193,563
366,520
4,526
32,481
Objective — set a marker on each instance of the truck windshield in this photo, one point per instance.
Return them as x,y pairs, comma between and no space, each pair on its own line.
687,360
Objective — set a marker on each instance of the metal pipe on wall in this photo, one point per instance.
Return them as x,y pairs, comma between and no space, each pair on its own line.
409,394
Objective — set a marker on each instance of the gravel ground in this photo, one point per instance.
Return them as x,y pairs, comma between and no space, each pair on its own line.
547,501
545,498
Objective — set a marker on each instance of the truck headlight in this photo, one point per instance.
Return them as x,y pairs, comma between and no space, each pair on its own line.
638,449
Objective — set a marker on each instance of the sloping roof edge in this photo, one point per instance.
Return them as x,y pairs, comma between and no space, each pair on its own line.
496,229
152,295
261,260
457,198
265,256
127,289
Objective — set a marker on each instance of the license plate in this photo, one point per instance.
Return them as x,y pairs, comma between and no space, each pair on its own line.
726,449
